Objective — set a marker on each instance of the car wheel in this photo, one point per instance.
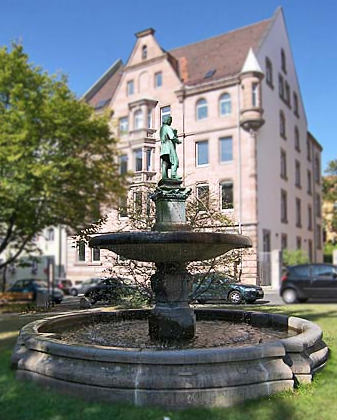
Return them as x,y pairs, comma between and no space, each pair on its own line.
235,297
289,296
73,292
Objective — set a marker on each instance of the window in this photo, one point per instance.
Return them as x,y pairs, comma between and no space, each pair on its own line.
139,121
123,164
283,61
149,118
50,234
297,174
323,270
144,52
226,193
309,154
123,207
282,125
148,159
295,100
158,79
281,86
318,237
283,164
297,139
284,212
318,205
225,104
203,196
137,202
266,240
287,93
309,217
255,93
201,152
226,149
130,88
201,109
298,213
96,254
298,242
164,113
81,250
269,72
123,125
284,241
317,170
309,182
138,159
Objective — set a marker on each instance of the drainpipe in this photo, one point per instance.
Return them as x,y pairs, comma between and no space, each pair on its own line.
239,159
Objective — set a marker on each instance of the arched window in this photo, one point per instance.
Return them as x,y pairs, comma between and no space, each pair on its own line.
144,52
139,120
225,104
297,139
201,109
282,125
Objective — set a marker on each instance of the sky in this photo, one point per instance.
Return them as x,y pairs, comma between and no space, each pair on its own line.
82,38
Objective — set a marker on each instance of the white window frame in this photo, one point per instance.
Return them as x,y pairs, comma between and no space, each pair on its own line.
197,143
202,107
225,99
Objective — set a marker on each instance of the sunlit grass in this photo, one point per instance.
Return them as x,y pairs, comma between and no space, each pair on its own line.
27,401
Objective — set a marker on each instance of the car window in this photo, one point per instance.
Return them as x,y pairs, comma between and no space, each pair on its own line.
18,284
300,271
322,270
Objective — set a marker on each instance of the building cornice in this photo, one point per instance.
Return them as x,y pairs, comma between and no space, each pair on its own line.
187,90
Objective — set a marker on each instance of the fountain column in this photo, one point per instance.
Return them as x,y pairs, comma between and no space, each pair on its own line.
172,318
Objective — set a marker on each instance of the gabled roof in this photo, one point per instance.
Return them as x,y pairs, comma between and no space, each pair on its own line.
216,58
103,89
224,53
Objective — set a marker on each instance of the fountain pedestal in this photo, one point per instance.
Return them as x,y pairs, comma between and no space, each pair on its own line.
172,319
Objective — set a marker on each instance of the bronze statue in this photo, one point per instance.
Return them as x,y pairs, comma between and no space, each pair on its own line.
168,153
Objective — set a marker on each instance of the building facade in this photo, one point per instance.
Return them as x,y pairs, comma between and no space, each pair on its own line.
236,103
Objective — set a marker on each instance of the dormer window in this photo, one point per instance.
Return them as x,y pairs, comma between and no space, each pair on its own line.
144,52
283,61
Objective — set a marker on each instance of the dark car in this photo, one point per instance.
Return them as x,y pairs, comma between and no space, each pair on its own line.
108,290
305,281
216,288
36,286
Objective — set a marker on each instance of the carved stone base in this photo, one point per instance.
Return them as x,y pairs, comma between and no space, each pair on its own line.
172,323
172,319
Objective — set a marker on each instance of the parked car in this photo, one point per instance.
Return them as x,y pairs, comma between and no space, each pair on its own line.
107,290
216,288
87,284
305,281
36,286
70,287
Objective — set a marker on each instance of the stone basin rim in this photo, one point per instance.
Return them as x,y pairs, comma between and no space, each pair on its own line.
178,237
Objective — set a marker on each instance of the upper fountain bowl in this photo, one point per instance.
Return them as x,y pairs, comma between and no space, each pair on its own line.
178,246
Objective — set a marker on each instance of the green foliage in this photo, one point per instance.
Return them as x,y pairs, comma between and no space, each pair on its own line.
293,257
57,159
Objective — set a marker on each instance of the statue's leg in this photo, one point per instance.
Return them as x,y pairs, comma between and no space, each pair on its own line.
164,169
174,171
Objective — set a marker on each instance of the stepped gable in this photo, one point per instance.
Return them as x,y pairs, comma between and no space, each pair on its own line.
224,53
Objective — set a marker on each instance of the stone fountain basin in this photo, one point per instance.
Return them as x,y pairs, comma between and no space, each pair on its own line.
218,376
178,246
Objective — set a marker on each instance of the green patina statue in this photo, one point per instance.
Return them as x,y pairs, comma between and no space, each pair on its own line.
168,153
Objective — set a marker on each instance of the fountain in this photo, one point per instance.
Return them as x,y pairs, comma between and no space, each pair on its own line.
173,372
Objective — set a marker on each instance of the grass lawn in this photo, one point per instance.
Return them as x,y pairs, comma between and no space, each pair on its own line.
26,401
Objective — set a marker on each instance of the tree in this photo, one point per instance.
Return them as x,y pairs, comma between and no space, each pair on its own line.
330,195
57,158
